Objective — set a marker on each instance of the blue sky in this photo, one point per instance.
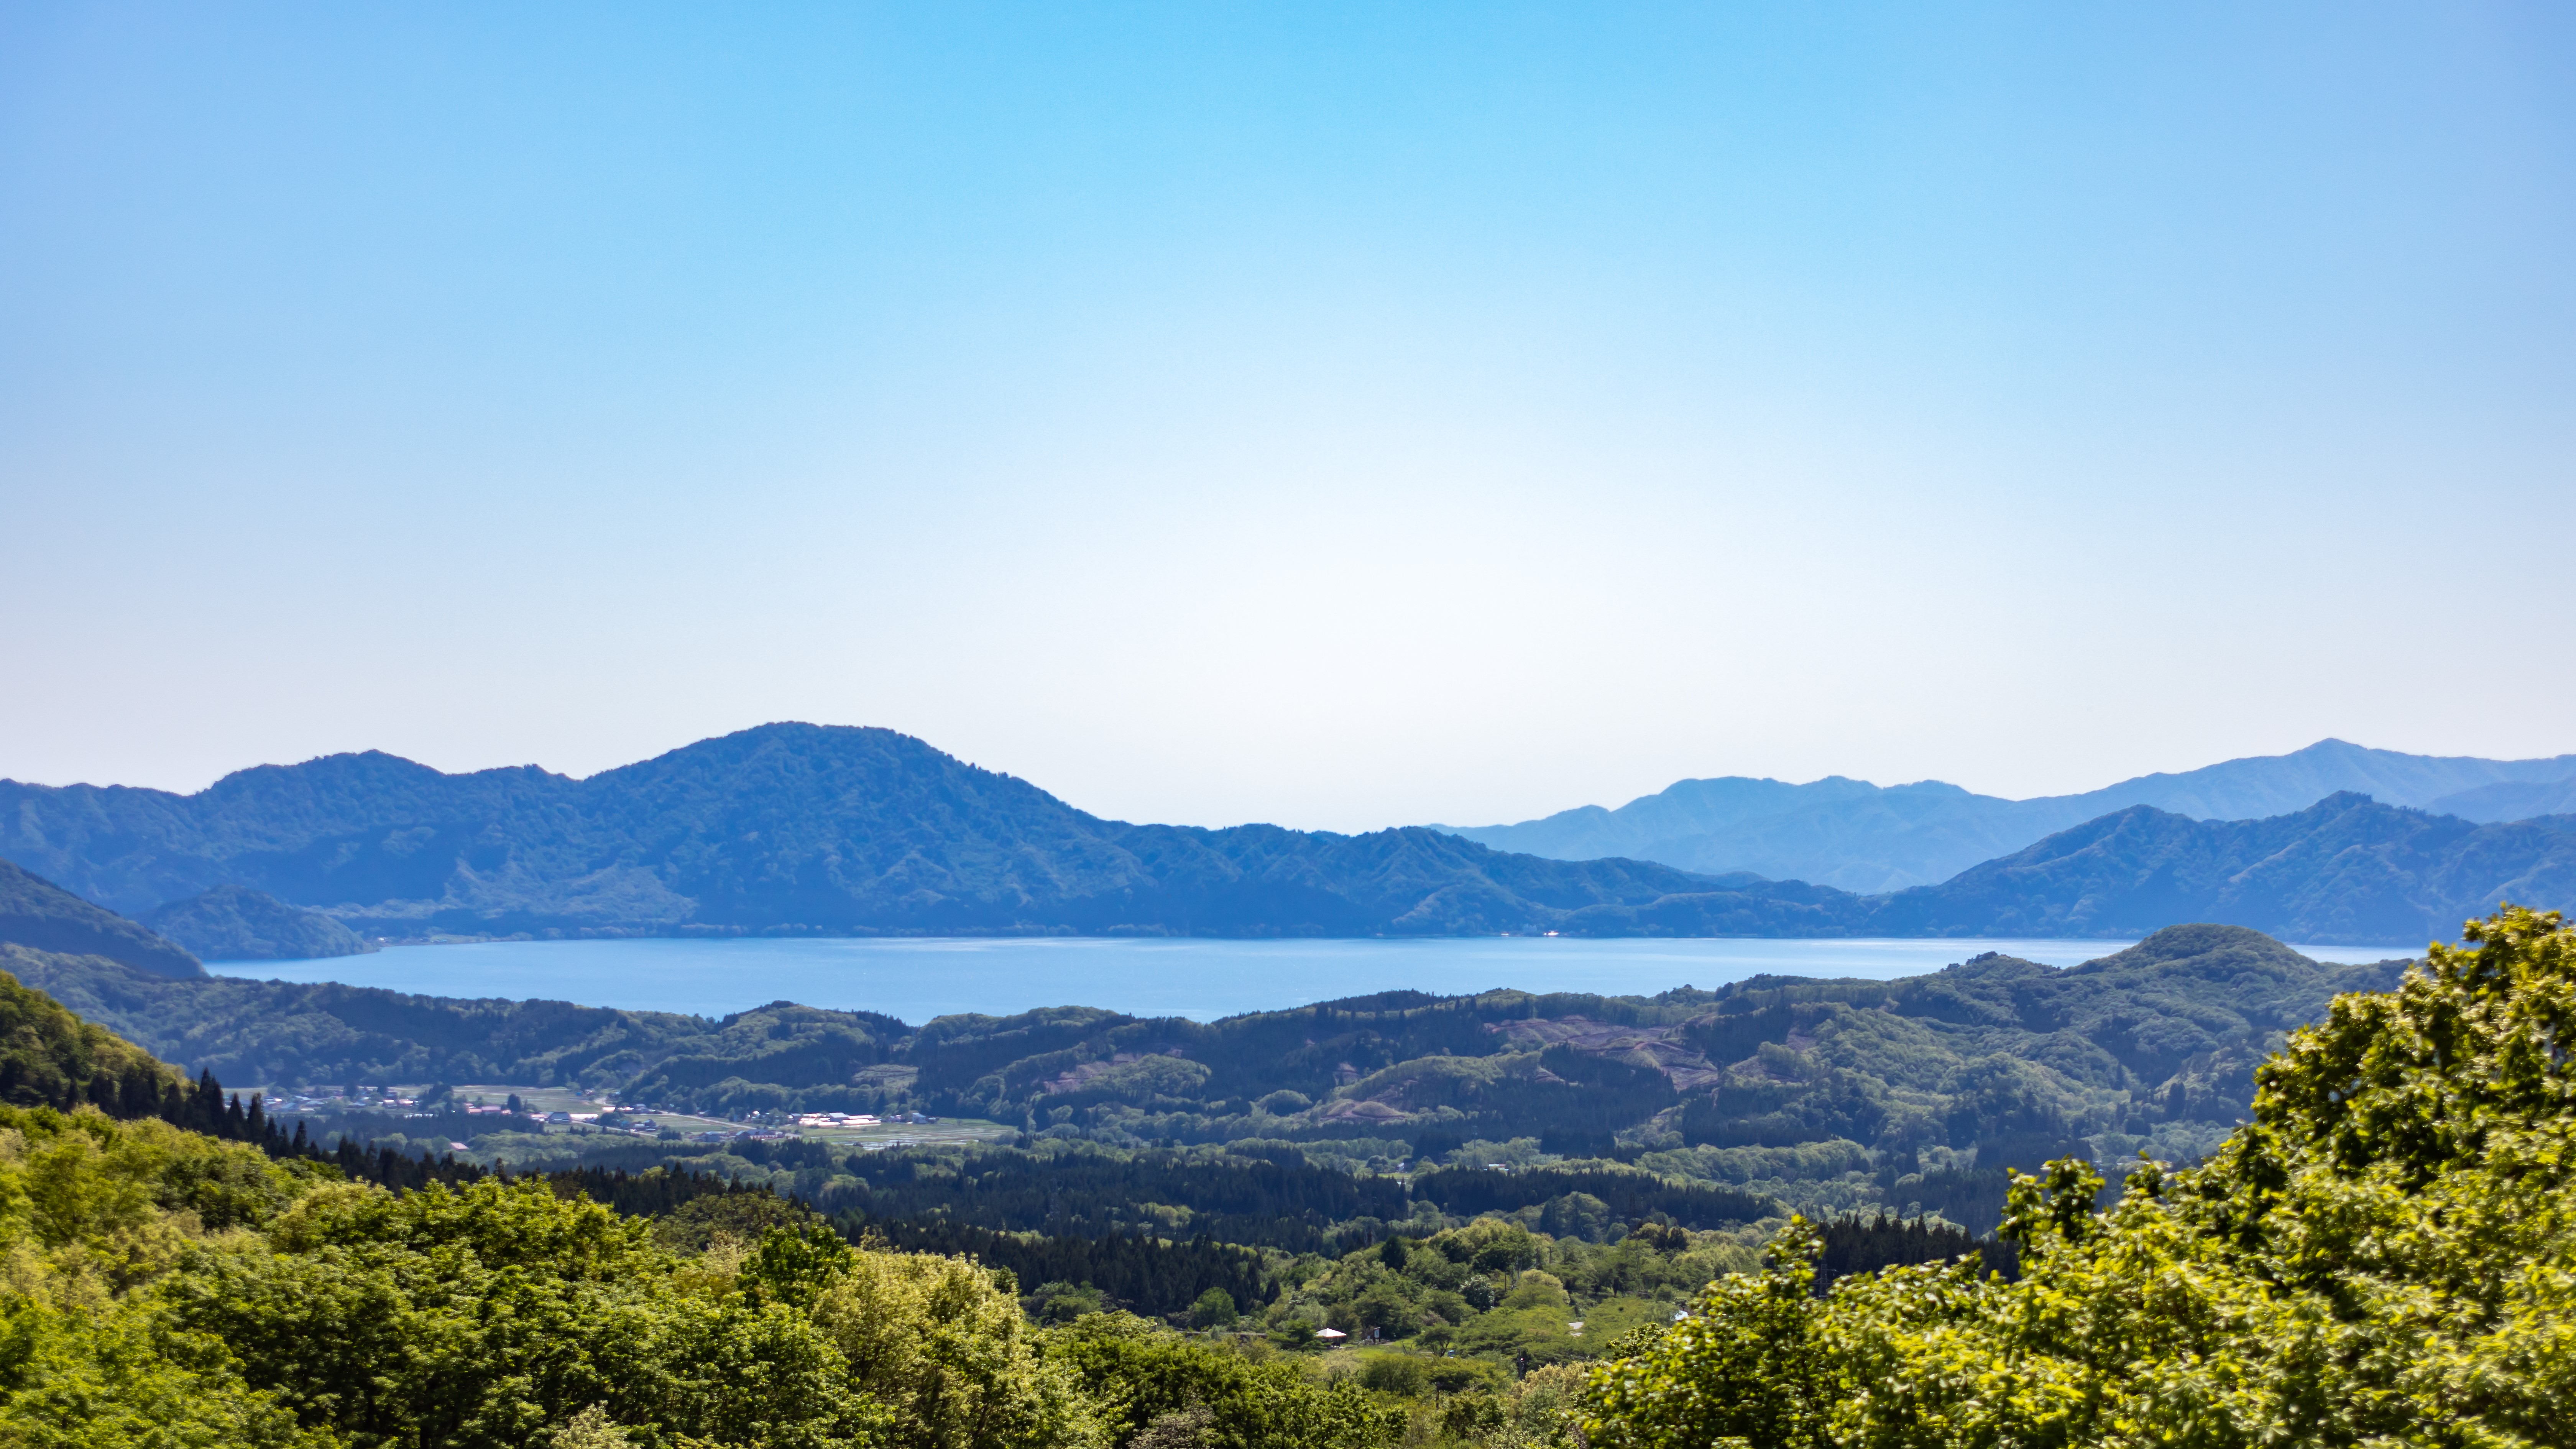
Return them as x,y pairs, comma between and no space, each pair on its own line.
1339,416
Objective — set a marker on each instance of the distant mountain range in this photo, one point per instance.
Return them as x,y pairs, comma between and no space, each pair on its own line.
783,828
795,828
1868,838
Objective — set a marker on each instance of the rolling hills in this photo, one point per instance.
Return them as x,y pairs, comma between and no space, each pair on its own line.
51,1057
1820,1093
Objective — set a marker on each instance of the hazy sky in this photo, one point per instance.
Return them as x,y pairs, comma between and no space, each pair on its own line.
1335,416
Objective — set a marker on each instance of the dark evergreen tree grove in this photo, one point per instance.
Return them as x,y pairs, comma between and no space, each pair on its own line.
1631,1195
1143,1274
1858,1244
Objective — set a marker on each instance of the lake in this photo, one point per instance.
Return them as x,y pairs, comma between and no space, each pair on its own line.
917,978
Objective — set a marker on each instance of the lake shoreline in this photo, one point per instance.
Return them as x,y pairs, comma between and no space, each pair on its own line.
916,978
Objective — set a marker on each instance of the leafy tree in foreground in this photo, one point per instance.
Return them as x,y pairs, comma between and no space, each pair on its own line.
2385,1254
166,1289
1158,1387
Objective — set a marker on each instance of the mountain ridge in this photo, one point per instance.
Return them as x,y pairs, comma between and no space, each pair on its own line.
792,828
1868,838
783,827
2345,870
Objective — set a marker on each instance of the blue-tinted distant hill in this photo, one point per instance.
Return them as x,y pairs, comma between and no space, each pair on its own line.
2346,869
784,827
798,828
233,923
1863,837
2510,800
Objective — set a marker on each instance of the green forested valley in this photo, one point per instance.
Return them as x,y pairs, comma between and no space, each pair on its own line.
540,540
2382,1253
1824,1096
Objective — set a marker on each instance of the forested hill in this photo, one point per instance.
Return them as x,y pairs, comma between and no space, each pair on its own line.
791,828
35,912
1862,837
782,827
2344,869
52,1058
1823,1093
233,923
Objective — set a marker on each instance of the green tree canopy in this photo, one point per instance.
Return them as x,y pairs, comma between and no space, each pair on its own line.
2385,1253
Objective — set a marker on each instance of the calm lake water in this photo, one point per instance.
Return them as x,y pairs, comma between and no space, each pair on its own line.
919,978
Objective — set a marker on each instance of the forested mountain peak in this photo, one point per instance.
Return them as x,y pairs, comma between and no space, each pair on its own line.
791,764
2264,785
2207,945
286,807
360,780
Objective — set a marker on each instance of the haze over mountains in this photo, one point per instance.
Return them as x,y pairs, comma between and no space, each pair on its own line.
1869,838
794,828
